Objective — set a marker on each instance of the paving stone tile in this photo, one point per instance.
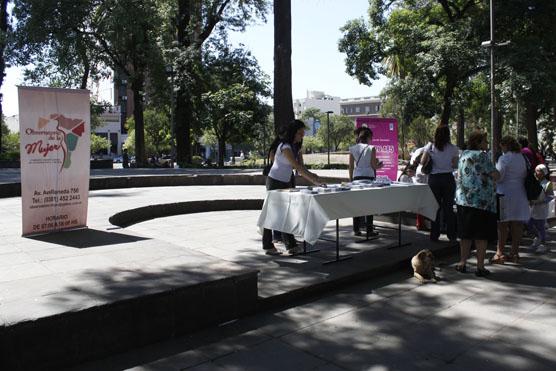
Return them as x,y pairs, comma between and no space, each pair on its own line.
270,355
499,356
21,271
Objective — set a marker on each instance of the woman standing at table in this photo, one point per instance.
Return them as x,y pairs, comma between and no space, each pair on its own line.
476,201
513,203
444,157
362,165
280,174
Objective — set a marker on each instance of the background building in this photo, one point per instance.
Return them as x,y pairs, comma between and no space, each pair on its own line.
317,99
364,106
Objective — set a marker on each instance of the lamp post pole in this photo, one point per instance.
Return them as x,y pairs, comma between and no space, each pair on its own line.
170,73
493,124
328,134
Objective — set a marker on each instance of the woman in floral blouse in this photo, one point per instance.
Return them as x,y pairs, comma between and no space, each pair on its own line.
476,201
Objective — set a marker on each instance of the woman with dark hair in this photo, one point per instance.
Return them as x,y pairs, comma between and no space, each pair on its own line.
280,174
513,203
476,201
444,157
362,165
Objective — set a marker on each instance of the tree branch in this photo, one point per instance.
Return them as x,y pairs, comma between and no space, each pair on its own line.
447,9
213,18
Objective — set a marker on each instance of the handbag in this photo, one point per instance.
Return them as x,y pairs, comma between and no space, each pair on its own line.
533,187
266,169
427,168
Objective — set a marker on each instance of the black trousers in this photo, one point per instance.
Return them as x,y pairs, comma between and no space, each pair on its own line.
359,220
289,240
443,186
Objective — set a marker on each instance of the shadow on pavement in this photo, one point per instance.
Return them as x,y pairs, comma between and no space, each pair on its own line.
85,238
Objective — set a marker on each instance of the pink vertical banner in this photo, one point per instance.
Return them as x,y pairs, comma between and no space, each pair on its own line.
385,140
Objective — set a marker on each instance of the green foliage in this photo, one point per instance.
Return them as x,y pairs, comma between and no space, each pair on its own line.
428,48
158,133
313,144
99,143
341,132
233,102
97,109
10,143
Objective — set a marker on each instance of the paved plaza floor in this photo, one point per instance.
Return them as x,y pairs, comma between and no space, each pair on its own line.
505,322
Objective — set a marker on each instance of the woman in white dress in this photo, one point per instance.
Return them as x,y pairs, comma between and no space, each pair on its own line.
513,203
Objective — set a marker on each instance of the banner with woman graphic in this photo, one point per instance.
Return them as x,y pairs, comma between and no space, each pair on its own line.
55,141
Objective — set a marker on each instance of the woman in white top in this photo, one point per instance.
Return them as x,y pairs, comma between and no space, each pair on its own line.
444,157
280,175
513,203
362,165
421,178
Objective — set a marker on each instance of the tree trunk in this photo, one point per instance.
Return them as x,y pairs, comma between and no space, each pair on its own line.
184,113
137,87
461,128
3,38
447,103
531,116
283,102
184,106
221,151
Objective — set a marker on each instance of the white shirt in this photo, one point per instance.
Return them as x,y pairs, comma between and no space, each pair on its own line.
442,160
361,153
419,176
281,168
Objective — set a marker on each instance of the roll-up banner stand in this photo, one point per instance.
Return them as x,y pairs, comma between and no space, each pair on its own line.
55,141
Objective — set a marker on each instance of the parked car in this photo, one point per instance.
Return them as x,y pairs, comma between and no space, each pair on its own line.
165,161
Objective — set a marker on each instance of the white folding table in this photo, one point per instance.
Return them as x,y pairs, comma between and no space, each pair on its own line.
305,215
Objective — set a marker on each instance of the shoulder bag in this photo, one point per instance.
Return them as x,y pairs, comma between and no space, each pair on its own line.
361,154
427,168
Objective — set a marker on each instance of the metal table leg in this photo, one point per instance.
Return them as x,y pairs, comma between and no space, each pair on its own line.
400,244
338,258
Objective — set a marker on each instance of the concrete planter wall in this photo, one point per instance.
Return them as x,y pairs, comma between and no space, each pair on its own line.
4,164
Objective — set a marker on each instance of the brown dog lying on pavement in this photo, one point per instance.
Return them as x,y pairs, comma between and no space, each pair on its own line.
423,266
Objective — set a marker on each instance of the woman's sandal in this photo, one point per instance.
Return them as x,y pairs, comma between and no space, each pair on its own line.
514,258
498,259
461,268
482,272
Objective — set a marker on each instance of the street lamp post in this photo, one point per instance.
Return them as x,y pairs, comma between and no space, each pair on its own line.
493,123
328,133
494,126
170,73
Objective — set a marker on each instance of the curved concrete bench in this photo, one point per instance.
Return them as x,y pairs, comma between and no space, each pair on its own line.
139,181
129,217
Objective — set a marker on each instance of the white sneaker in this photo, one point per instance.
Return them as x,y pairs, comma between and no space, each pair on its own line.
542,249
536,242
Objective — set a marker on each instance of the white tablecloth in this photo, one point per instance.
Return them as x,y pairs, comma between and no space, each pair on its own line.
305,215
